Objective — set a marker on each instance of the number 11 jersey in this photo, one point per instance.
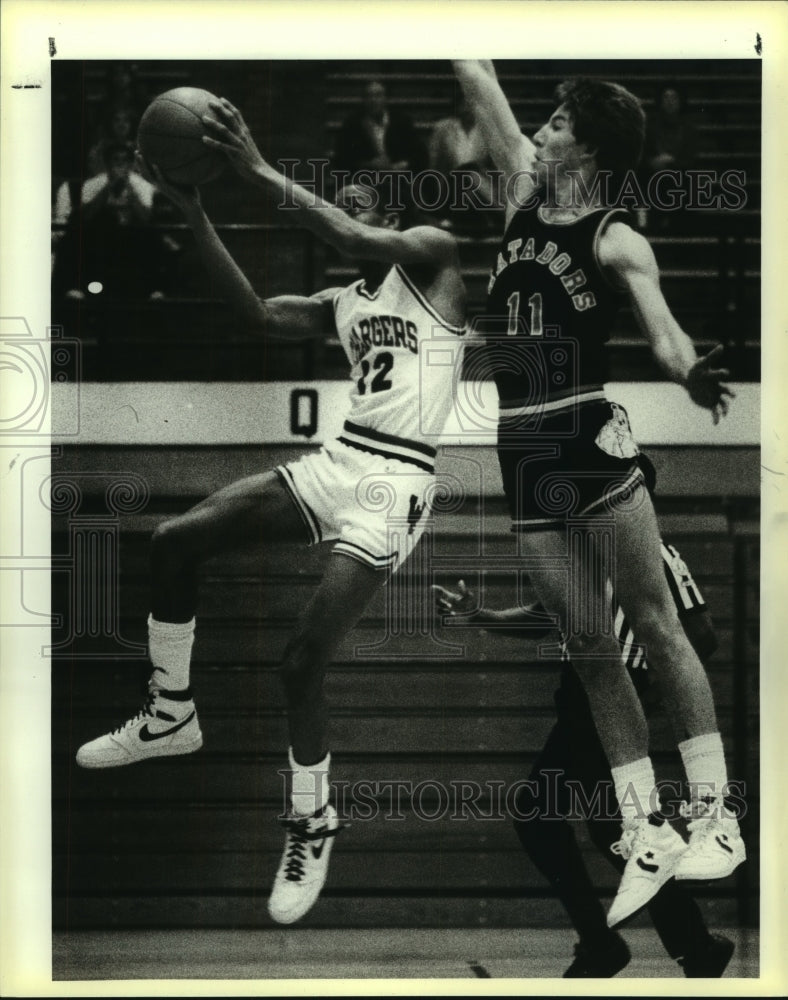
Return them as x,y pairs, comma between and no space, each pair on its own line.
550,310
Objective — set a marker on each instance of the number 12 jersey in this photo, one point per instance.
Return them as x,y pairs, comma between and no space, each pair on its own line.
405,364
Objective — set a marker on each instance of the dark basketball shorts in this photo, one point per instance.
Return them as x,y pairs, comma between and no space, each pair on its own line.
582,461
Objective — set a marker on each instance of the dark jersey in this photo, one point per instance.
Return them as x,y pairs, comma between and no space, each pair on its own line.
550,309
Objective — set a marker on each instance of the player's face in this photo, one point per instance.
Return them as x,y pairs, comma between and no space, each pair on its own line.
555,141
361,204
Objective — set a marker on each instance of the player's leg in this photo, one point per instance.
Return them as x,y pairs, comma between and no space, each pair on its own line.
242,514
645,597
651,845
716,847
674,913
373,504
551,844
594,651
334,609
245,514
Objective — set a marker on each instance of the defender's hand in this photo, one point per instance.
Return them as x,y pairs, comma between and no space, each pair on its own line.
448,602
230,134
705,385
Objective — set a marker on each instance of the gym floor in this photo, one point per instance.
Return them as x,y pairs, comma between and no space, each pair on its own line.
370,954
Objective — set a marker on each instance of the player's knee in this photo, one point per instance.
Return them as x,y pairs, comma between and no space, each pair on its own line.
657,628
589,651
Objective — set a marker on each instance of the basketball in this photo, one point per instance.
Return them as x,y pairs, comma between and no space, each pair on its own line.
170,136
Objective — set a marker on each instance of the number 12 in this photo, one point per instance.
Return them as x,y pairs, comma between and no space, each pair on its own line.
535,326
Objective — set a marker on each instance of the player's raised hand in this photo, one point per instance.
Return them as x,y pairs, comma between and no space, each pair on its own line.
449,602
229,133
706,386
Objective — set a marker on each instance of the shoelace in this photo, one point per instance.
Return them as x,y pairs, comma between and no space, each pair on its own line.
701,826
147,710
296,849
626,845
299,834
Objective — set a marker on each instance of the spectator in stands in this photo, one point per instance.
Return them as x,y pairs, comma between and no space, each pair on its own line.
378,137
456,146
671,143
106,238
671,135
119,128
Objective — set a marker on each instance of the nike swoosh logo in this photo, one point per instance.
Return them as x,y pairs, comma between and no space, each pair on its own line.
723,845
317,851
147,736
646,866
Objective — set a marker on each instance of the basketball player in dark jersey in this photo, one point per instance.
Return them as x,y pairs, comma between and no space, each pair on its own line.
569,461
572,761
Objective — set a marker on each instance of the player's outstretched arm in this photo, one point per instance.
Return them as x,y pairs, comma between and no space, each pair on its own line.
420,245
531,622
511,151
628,257
291,317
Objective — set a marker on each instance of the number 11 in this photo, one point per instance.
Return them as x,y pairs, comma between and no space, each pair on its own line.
535,304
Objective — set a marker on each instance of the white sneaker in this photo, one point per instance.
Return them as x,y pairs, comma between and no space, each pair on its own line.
716,847
166,725
652,852
304,866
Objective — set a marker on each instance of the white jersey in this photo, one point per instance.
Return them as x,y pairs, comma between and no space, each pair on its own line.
405,363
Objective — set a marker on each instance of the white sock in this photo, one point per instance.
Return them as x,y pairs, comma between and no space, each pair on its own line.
636,789
170,650
310,785
704,763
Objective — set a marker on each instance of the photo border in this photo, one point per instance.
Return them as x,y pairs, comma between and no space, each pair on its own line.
124,29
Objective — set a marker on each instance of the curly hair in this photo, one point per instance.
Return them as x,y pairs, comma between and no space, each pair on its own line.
607,118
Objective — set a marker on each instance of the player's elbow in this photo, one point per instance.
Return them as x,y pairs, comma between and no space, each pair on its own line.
257,318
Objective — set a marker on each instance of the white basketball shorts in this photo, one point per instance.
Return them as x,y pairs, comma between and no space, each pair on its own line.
376,506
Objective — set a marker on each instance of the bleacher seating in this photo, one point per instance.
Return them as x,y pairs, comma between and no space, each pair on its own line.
711,274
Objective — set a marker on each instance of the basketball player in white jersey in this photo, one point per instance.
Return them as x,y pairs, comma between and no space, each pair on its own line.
411,294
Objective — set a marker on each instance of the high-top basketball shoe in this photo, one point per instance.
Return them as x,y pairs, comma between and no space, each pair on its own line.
166,725
304,866
652,849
